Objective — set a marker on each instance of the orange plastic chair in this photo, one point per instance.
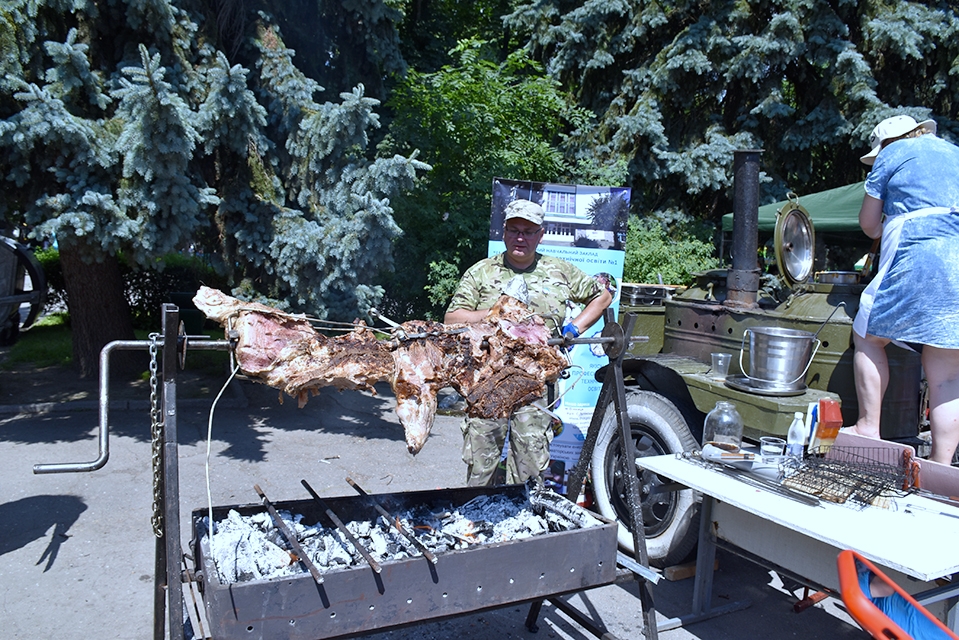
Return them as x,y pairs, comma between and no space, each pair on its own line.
867,614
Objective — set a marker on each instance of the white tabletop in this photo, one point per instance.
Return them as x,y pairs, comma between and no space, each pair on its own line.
921,543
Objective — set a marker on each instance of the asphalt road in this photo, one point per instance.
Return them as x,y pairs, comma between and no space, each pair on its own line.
77,550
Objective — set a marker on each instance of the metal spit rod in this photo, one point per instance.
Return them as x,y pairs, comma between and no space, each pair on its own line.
342,527
559,342
553,342
395,522
290,537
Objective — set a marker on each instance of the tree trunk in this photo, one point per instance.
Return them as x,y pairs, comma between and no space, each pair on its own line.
99,312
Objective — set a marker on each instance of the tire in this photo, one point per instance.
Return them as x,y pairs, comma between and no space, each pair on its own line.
10,331
670,519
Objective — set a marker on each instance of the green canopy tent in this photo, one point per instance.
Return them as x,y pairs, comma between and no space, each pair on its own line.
831,210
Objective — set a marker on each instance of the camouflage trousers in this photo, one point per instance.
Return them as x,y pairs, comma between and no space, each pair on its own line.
529,433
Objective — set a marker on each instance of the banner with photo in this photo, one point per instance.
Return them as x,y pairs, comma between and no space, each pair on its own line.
584,225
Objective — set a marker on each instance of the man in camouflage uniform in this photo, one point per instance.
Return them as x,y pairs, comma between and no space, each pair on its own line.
550,283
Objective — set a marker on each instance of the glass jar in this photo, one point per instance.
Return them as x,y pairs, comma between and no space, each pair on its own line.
723,427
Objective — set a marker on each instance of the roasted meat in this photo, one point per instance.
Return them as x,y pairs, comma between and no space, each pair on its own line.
285,352
497,365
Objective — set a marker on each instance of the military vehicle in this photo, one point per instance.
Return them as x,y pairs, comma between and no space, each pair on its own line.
669,386
22,281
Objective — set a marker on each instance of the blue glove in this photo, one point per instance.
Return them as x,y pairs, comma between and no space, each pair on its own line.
570,332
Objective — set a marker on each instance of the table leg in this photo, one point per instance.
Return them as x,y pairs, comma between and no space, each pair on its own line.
948,592
703,585
705,560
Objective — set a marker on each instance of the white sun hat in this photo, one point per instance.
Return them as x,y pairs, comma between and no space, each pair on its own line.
893,128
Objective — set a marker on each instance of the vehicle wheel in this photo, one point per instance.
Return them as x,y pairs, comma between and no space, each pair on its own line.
11,330
670,519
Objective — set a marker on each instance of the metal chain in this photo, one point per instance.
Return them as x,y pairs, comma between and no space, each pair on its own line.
156,431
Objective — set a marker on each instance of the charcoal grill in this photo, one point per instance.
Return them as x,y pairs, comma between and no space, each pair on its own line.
357,600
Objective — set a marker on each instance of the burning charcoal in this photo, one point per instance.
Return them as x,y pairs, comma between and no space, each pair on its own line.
276,537
359,528
492,507
260,520
458,526
241,551
251,548
345,543
303,531
333,552
379,543
524,524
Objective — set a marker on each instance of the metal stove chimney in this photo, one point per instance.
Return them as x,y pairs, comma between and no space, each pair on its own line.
742,280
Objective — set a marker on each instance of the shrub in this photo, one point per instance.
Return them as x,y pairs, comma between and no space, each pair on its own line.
652,252
49,259
146,289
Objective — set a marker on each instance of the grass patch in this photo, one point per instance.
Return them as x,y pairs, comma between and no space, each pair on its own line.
47,343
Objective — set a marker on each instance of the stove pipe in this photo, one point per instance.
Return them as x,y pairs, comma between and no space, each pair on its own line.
742,280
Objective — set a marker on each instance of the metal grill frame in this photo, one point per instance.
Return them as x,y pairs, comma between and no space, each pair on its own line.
357,600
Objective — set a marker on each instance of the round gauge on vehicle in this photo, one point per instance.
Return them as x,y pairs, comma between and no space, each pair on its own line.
795,243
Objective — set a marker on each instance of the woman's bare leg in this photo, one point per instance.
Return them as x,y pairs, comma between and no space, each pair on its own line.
942,373
872,377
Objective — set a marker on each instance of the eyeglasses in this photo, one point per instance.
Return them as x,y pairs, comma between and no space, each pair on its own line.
516,233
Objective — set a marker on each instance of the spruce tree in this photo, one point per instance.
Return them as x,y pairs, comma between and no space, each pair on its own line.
127,131
677,87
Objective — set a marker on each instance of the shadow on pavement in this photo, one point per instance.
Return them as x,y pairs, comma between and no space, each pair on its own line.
243,418
23,521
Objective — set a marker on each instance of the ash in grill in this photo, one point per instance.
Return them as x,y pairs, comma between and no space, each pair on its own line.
251,547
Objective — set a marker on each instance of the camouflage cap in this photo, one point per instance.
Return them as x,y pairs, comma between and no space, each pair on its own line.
526,210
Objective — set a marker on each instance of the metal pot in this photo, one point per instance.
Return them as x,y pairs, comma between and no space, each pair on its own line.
837,277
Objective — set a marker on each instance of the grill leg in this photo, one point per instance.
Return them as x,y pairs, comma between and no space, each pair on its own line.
533,616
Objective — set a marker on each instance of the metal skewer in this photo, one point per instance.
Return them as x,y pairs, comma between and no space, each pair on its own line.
278,521
376,314
342,527
917,507
394,521
559,342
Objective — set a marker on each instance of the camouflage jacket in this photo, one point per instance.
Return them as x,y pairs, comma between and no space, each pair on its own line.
551,282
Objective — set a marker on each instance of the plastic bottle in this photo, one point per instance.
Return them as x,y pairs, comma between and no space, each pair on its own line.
796,437
723,427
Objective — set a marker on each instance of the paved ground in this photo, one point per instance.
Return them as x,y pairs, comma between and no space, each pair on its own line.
77,553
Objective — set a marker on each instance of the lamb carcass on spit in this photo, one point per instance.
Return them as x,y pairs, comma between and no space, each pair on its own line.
497,365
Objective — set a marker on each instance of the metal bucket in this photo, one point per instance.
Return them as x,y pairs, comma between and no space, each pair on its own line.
778,358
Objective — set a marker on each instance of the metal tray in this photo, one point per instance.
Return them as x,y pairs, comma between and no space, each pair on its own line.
742,383
357,600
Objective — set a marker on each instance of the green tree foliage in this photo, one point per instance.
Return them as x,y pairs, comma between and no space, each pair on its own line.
473,121
339,43
678,86
431,30
652,253
124,128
